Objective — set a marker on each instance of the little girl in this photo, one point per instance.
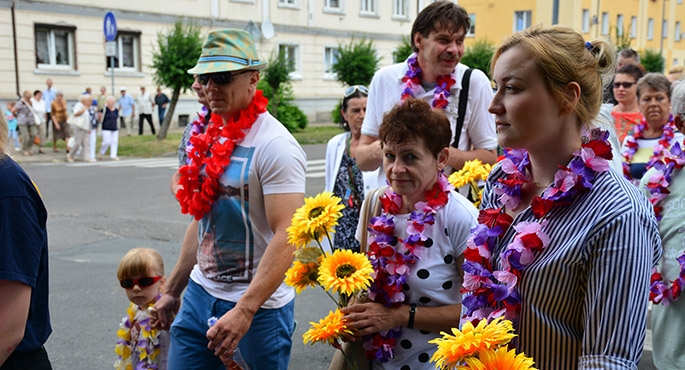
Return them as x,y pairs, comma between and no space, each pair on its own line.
139,345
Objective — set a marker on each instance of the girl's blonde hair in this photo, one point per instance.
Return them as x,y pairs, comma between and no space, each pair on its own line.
563,56
138,261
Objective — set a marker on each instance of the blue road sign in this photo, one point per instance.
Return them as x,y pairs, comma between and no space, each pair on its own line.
110,27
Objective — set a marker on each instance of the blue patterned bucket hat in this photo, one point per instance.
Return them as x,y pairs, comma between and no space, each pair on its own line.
226,51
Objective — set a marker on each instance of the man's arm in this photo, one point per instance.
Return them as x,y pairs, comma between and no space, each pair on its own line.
15,298
369,153
459,157
225,335
167,306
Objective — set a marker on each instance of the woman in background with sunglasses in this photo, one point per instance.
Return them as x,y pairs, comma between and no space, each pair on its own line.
655,133
343,178
141,274
626,113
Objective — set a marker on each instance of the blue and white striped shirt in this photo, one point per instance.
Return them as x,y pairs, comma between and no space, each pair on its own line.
584,299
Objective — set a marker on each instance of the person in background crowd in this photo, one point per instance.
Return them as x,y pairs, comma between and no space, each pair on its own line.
656,132
49,95
110,131
676,73
39,114
626,112
25,122
599,241
102,98
12,126
24,280
82,130
127,109
161,101
433,73
60,130
255,309
343,178
145,103
625,57
92,136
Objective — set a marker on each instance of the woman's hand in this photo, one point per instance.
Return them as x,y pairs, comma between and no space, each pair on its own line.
369,318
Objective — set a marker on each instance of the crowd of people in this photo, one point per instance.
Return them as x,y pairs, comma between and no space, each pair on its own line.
32,117
564,243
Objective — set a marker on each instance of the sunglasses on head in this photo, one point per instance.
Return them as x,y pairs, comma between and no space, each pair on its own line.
219,78
143,282
352,89
626,85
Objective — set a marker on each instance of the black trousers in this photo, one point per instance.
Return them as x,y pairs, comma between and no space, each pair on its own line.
148,118
34,360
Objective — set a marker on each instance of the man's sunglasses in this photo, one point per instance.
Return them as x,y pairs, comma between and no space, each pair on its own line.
626,85
352,89
143,282
220,78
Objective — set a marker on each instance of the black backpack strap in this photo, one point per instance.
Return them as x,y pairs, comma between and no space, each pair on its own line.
463,99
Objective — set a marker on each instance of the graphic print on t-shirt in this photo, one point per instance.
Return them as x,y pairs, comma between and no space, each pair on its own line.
226,250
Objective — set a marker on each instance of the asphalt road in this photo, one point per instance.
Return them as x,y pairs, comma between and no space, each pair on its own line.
99,211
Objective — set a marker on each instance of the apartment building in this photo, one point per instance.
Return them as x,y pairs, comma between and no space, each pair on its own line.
64,39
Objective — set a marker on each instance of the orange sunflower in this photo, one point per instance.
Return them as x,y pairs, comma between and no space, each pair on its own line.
500,359
301,275
327,330
345,272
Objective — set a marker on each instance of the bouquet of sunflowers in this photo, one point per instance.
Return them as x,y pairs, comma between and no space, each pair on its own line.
341,273
471,174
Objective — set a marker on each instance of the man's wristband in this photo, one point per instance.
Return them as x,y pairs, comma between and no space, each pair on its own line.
412,312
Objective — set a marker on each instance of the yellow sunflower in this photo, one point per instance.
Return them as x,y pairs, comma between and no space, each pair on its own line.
327,330
472,172
345,272
455,348
314,219
301,275
500,359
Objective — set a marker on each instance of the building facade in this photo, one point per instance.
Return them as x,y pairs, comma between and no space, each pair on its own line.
64,39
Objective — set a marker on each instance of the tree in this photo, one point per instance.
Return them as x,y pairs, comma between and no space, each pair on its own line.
276,84
622,38
652,61
355,65
403,51
479,56
177,51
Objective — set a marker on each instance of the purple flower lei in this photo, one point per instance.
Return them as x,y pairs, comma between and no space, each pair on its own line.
147,342
197,127
391,269
660,149
493,293
411,83
659,181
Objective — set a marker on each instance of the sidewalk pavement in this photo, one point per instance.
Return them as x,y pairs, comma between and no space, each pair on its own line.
47,156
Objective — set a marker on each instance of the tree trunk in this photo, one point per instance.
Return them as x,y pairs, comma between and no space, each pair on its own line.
169,115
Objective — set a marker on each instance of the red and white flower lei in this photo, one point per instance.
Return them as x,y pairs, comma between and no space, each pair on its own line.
411,82
392,257
660,291
659,150
211,154
490,292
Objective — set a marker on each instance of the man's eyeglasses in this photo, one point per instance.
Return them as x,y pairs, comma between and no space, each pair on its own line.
220,78
626,85
143,282
352,89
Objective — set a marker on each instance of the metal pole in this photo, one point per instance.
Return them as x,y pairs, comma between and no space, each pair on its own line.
111,63
663,17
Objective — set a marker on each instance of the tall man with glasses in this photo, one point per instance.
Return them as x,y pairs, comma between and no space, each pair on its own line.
433,73
237,261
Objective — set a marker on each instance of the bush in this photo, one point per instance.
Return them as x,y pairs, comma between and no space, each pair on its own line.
479,55
283,109
403,51
652,61
292,117
356,63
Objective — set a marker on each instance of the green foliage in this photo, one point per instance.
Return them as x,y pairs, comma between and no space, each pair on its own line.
403,51
357,62
281,105
652,61
177,51
479,55
292,117
337,117
277,72
621,38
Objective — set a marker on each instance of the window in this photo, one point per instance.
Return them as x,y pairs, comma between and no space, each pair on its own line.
287,3
619,24
586,21
522,20
472,29
55,47
605,23
633,27
677,35
334,5
329,59
400,9
650,29
292,55
664,29
675,62
127,52
368,7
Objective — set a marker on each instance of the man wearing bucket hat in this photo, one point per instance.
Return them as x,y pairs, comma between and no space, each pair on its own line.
238,261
